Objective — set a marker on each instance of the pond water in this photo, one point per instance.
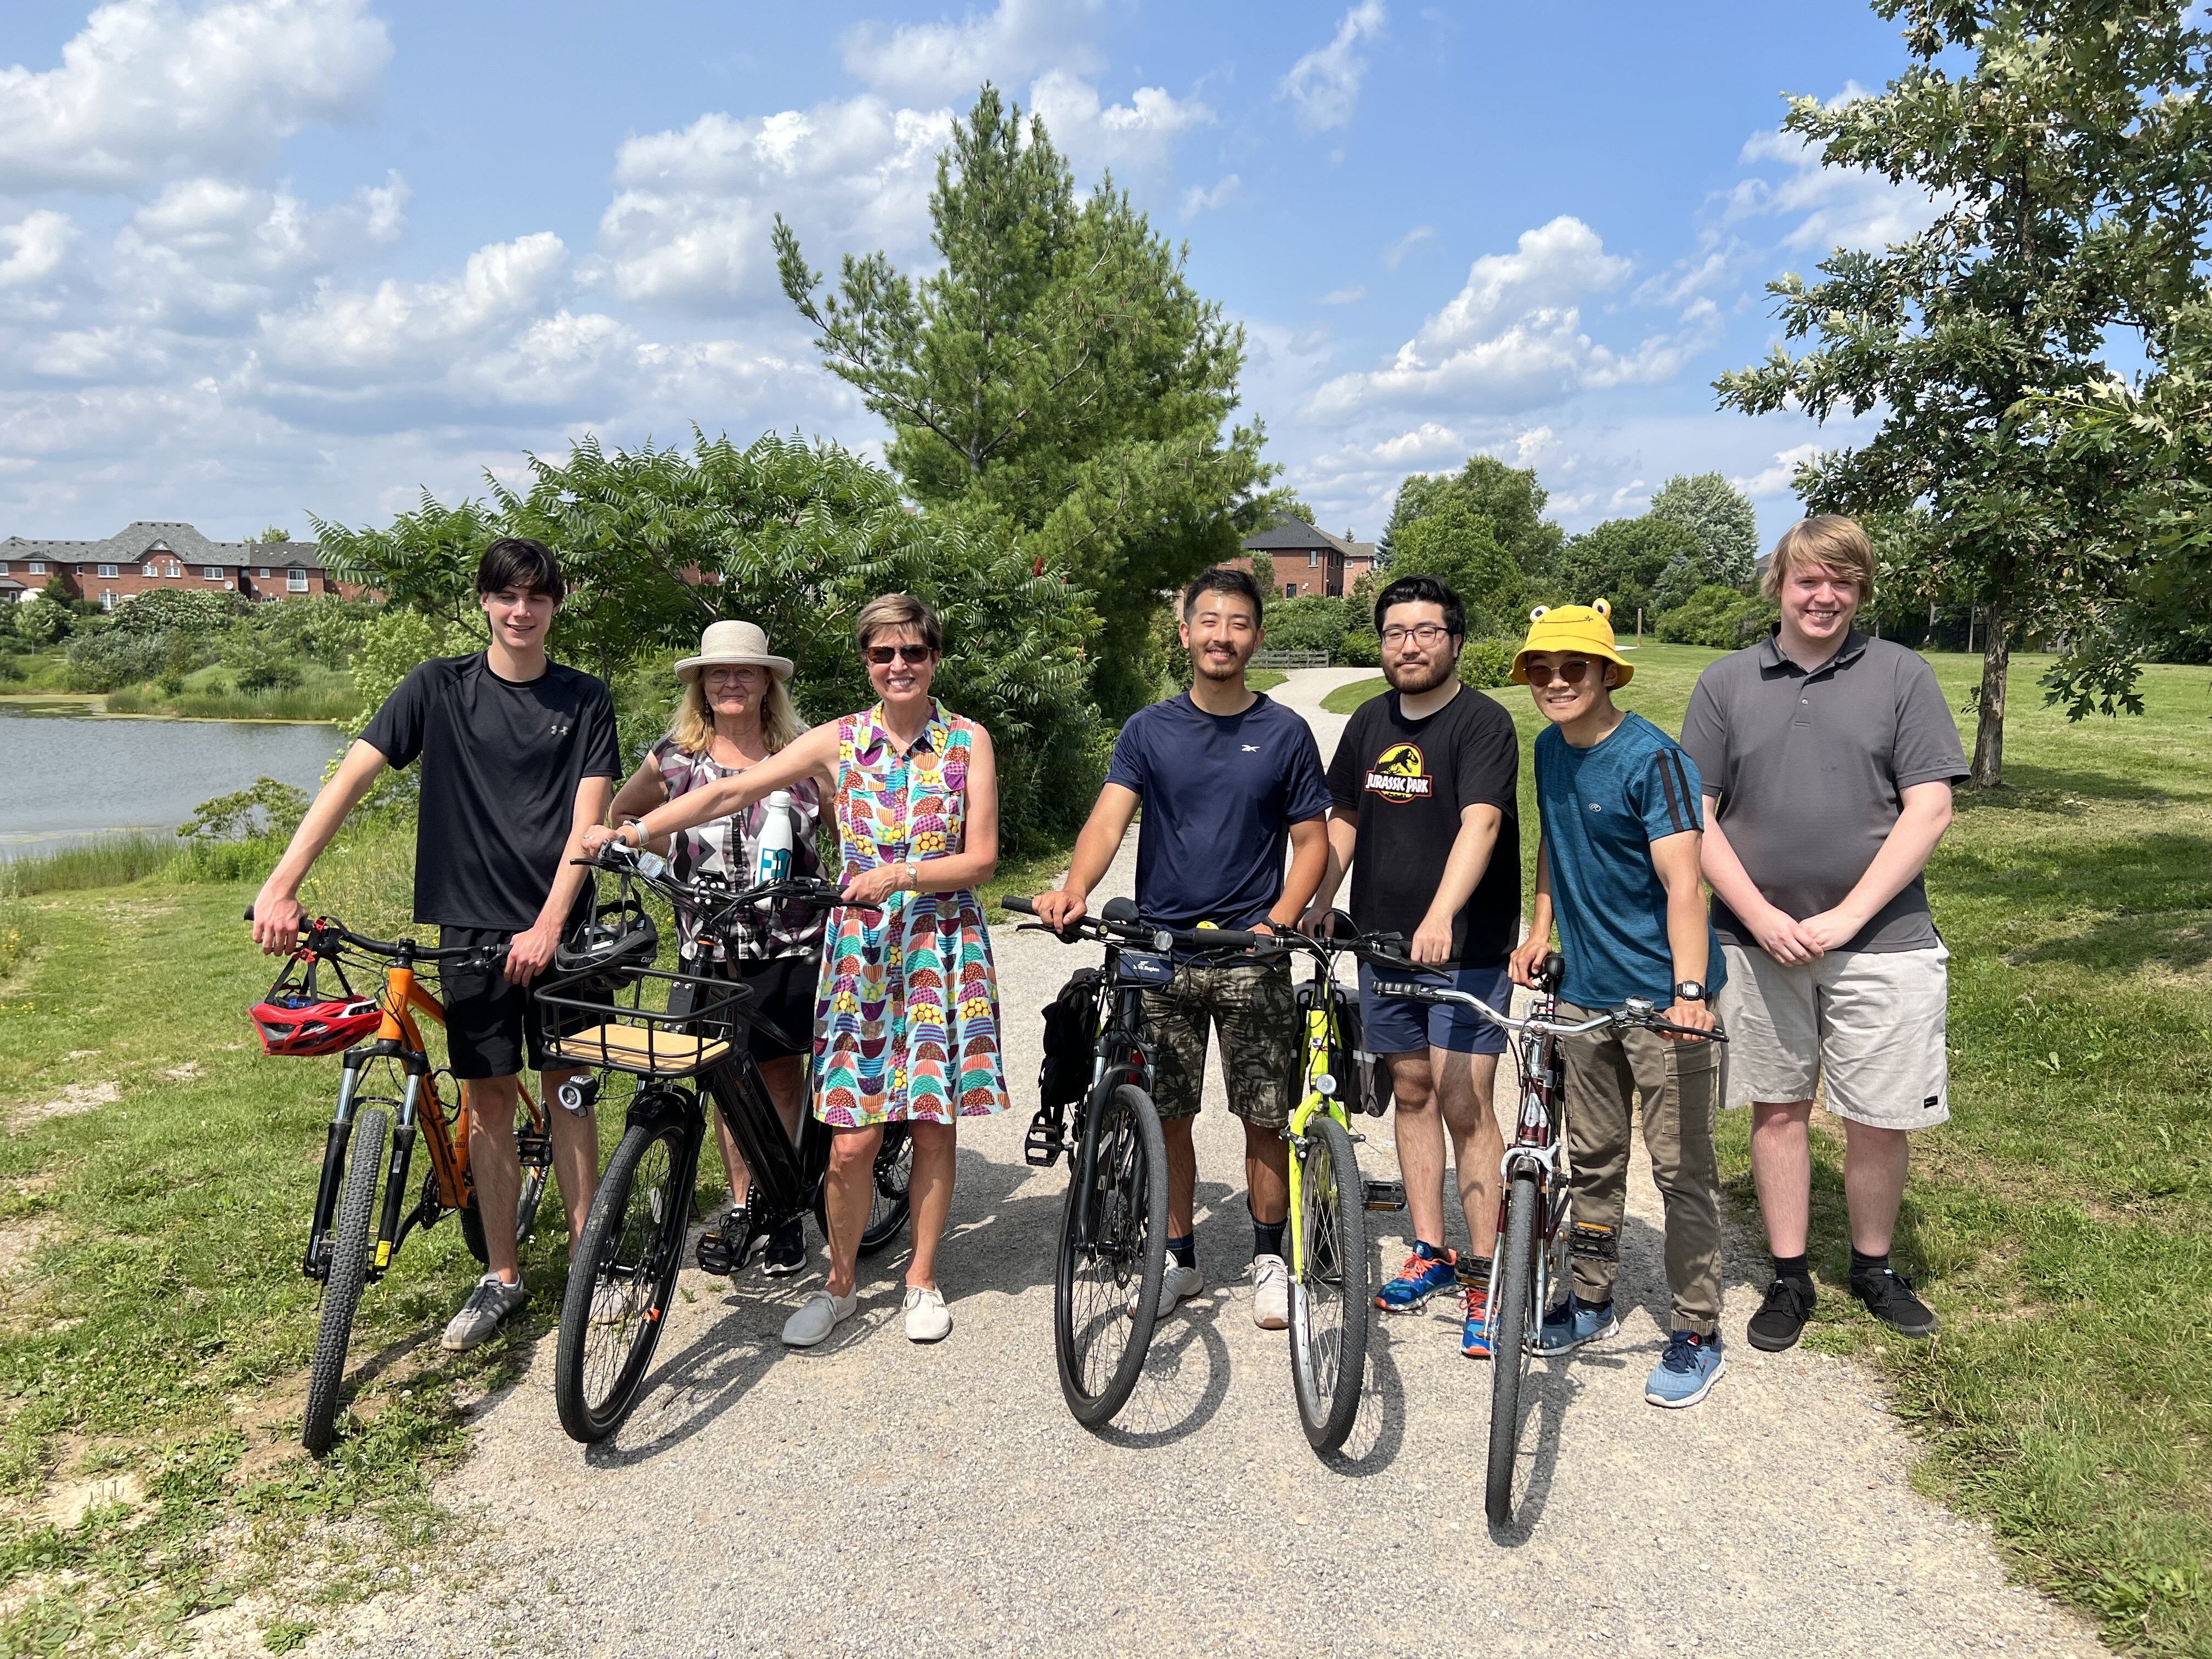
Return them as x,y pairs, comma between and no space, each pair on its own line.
65,780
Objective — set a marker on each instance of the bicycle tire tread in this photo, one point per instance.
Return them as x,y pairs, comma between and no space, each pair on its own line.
348,1272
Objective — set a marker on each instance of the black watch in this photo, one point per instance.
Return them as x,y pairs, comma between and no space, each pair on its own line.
1690,990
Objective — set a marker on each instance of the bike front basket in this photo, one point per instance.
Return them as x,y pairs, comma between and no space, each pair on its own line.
659,1024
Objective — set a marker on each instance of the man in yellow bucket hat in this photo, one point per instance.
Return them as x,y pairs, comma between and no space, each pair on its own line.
1617,868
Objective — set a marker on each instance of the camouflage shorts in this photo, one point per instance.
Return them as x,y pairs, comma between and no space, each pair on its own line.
1257,1015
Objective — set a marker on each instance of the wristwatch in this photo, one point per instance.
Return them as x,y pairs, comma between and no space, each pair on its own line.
1690,990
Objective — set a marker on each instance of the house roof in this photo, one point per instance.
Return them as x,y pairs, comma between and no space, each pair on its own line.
1292,535
130,545
9,585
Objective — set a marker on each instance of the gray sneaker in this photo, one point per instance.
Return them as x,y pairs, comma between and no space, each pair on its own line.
489,1304
819,1315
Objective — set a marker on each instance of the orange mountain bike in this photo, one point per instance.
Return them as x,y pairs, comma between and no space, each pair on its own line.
386,1078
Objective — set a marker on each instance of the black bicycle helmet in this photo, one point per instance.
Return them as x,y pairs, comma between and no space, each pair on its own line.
619,941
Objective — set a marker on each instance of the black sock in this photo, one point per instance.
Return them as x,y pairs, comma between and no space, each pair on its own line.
1792,1266
1862,1264
1184,1250
1268,1236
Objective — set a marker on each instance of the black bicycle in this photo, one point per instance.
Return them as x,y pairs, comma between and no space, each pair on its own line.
1114,1228
682,1036
1535,1238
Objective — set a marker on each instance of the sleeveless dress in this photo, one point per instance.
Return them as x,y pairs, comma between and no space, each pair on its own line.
906,1018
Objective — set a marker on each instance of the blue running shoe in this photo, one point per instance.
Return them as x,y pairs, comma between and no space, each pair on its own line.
1574,1323
1427,1271
1686,1373
1474,1332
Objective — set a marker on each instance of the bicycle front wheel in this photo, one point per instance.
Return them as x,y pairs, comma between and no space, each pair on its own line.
1113,1255
1330,1298
621,1280
1510,1335
348,1272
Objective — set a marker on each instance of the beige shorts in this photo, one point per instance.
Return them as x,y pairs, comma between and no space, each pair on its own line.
1868,1024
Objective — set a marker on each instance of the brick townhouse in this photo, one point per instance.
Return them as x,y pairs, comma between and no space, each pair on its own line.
1307,560
153,555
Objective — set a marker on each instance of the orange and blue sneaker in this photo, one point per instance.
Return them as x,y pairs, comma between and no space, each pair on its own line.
1474,1334
1427,1270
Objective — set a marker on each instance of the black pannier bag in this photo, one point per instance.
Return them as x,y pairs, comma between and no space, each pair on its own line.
1359,1083
1071,1039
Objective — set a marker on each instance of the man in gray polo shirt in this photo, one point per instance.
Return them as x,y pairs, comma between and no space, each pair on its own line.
1830,758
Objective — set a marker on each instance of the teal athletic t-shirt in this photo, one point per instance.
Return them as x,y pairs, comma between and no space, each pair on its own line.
1602,808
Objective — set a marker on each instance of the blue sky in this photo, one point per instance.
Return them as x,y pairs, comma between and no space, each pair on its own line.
265,258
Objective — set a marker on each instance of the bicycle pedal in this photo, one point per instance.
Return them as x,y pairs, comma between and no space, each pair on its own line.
534,1152
1045,1141
1386,1194
723,1250
1593,1243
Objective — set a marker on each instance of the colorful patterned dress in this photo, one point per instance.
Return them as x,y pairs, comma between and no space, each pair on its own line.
907,1019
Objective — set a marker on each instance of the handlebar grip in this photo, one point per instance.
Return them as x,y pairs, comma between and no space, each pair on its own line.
249,913
1015,902
1418,992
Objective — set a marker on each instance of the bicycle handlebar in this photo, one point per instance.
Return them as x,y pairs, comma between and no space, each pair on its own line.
1635,1013
1109,928
324,927
713,898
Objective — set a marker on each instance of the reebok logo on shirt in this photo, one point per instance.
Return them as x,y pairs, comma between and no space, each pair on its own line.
1399,774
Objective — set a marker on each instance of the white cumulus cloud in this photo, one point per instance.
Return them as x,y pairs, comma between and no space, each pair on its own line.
949,60
1197,200
1140,133
150,89
1779,478
1324,85
30,249
1833,207
400,325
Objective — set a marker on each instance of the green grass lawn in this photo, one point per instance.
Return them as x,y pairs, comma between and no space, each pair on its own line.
154,1324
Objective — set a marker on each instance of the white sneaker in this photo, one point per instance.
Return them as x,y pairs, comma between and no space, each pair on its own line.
488,1303
1178,1284
926,1320
1271,1293
819,1315
610,1303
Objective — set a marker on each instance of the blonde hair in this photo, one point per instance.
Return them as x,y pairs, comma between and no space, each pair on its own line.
890,612
693,728
1829,539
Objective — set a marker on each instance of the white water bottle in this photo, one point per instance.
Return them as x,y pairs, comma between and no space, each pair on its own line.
772,855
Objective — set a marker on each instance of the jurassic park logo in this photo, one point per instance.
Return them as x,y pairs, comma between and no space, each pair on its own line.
1398,774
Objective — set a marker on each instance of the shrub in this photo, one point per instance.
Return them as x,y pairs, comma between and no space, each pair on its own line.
1360,648
167,611
1719,616
1486,664
1312,623
109,659
266,807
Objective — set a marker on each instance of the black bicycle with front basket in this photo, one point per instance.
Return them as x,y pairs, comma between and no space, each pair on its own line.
682,1036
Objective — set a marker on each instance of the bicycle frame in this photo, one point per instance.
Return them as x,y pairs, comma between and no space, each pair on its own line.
1121,1056
1539,1138
1322,1038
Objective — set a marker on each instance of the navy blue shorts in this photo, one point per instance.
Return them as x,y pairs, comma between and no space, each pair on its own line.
1400,1025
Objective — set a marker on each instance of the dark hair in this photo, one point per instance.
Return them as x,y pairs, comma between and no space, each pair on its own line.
889,612
519,562
1423,590
1223,579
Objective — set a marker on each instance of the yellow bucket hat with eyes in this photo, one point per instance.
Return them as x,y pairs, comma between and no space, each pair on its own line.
1586,629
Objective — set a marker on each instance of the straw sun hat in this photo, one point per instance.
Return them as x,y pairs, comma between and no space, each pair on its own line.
730,644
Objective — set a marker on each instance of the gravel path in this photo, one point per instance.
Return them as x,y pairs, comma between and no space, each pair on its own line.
875,1498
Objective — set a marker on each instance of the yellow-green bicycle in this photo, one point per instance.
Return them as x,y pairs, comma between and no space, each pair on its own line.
1332,1299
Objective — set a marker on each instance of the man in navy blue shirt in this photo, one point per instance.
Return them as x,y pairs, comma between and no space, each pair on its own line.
1229,782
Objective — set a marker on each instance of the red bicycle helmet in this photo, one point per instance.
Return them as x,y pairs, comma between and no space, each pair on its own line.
299,1019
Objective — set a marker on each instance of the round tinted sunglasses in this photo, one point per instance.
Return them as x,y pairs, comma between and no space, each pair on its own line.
880,655
1567,673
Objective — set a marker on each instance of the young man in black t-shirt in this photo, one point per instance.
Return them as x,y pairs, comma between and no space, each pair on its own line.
519,759
1422,790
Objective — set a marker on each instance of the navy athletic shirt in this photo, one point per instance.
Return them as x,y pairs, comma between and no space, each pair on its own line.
1221,792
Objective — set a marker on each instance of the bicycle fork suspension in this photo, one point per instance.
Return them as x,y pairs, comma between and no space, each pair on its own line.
316,1264
395,1185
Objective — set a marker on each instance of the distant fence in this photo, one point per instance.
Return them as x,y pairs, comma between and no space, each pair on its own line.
1264,659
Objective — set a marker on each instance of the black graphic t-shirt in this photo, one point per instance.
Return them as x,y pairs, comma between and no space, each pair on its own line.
1408,780
501,764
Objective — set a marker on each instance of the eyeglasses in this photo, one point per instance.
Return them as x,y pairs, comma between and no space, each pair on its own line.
880,655
1567,673
1425,633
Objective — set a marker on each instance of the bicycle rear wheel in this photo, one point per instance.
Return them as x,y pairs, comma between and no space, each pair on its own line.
887,1210
1106,1293
1330,1300
621,1280
349,1271
1510,1336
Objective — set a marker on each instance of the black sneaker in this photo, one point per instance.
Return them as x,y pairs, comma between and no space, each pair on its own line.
1781,1318
786,1250
1888,1297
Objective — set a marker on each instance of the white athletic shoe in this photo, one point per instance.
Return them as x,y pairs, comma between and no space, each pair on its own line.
819,1315
926,1320
1271,1293
1178,1284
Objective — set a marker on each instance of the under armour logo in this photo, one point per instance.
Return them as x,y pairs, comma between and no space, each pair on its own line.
1251,748
560,730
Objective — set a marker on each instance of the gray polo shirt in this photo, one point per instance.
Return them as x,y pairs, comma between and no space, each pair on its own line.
1809,771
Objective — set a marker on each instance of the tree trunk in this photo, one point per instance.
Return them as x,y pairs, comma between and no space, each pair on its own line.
1988,769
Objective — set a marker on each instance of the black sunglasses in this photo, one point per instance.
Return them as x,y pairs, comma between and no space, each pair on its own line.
1567,673
880,655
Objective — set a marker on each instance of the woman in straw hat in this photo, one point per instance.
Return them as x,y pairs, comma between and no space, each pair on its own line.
736,711
908,1012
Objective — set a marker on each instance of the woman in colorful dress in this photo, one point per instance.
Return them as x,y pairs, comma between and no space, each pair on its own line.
736,711
906,1025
